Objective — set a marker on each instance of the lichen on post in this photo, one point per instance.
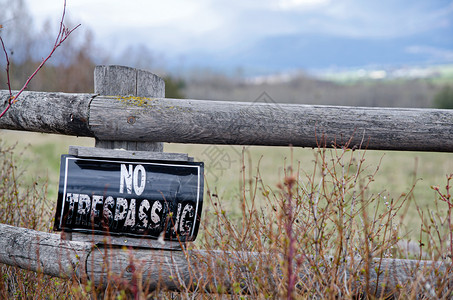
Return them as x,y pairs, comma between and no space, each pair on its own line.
130,86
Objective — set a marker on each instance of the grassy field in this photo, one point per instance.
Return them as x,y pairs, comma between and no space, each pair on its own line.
397,171
290,203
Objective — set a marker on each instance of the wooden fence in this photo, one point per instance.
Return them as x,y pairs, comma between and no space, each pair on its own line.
128,110
156,119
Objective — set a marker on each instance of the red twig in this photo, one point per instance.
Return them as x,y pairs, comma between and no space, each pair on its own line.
290,180
7,77
7,66
63,34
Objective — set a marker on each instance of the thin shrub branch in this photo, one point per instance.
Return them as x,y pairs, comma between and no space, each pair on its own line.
62,35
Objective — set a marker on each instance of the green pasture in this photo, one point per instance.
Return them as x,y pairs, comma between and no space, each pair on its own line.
38,155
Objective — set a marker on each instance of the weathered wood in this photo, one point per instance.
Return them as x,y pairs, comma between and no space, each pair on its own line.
138,119
48,112
125,81
210,122
44,252
124,154
104,240
178,270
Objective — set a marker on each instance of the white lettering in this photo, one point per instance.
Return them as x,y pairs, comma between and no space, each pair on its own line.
126,177
83,209
121,209
130,219
154,216
138,189
94,207
72,199
107,213
142,216
175,228
186,223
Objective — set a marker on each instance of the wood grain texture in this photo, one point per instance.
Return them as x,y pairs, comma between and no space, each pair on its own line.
104,240
196,269
135,119
115,80
212,122
149,85
124,154
40,251
61,113
124,81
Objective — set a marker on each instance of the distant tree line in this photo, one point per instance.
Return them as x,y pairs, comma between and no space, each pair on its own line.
444,98
71,68
303,89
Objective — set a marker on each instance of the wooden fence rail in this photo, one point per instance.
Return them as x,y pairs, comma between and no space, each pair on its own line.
180,270
237,123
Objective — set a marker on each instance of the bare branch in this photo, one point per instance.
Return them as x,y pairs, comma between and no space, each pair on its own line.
7,76
63,34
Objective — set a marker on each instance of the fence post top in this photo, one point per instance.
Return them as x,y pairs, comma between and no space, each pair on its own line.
119,68
113,80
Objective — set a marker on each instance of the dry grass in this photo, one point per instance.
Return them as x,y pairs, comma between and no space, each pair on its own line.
313,219
24,206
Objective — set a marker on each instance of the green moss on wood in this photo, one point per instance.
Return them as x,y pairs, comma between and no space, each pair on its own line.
136,101
145,102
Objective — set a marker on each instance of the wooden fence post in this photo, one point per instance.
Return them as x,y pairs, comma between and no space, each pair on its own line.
125,81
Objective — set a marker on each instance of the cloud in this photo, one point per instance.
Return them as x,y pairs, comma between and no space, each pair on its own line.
247,21
177,27
340,17
433,53
300,4
381,19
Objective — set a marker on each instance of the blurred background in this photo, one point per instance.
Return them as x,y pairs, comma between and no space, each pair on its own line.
343,52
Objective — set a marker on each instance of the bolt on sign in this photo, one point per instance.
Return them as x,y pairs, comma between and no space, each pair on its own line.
131,198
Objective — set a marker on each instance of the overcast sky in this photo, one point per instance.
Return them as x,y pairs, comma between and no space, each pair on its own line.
176,27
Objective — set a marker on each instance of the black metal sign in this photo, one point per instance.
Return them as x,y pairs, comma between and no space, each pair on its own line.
130,198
